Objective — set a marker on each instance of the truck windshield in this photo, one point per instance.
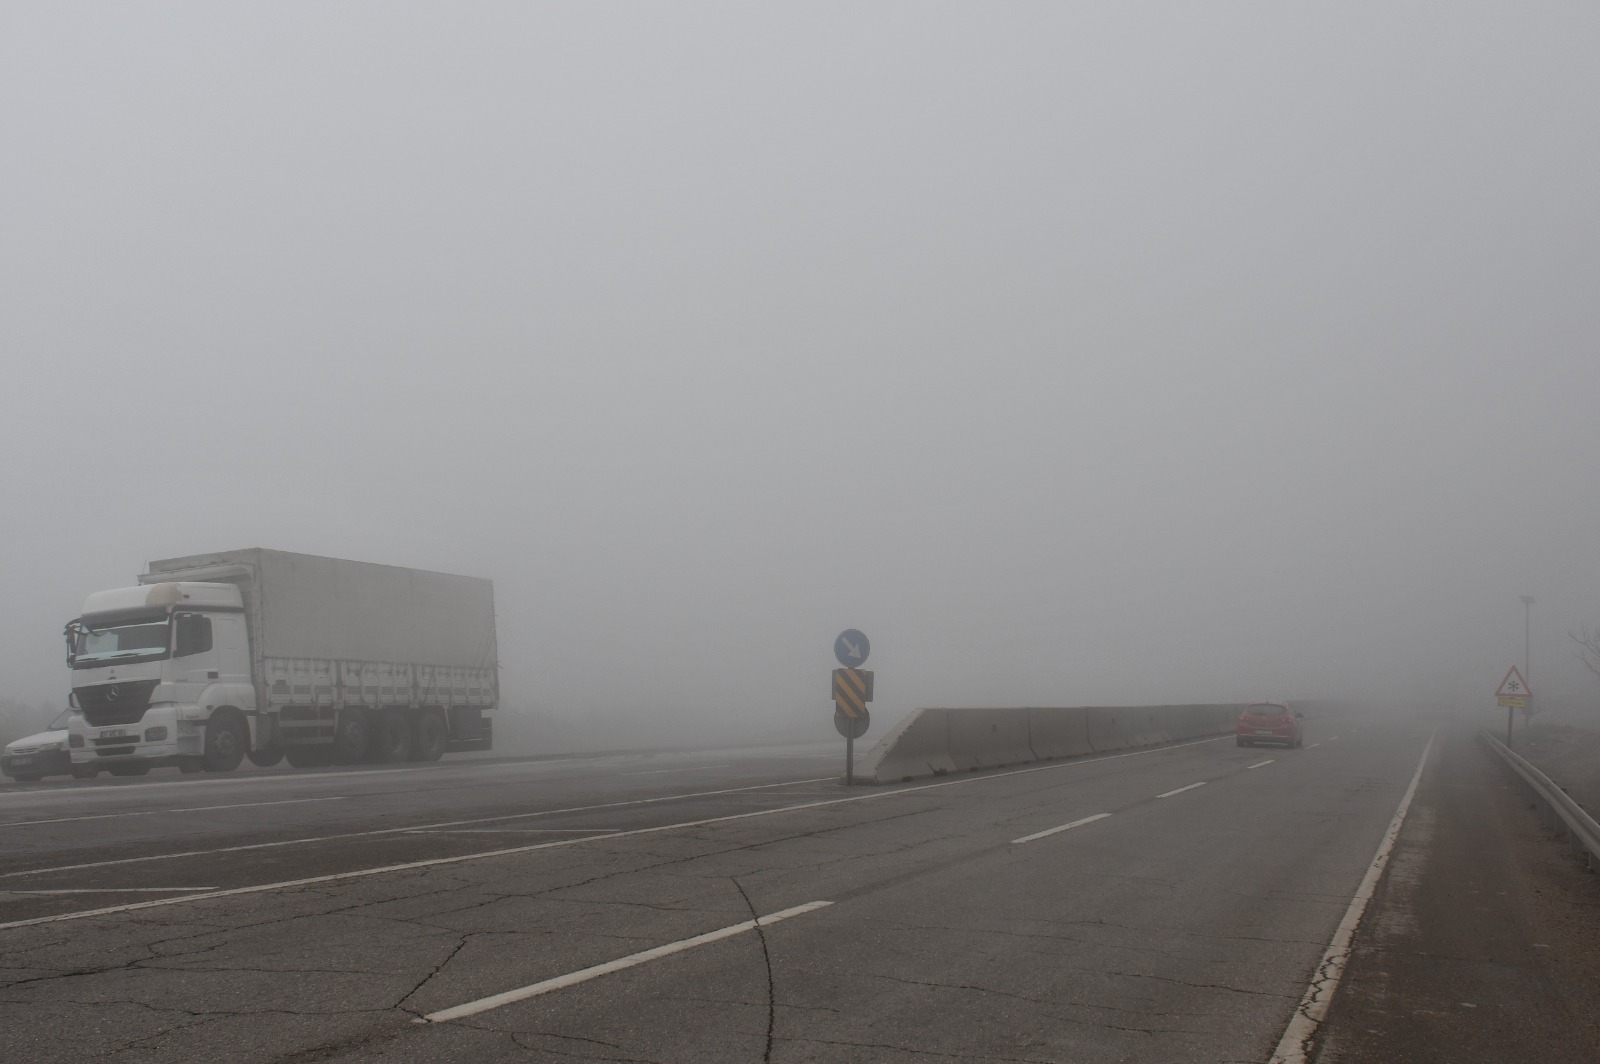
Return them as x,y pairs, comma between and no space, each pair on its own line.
129,639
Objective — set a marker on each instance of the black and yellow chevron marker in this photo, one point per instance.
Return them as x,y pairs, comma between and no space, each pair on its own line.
852,690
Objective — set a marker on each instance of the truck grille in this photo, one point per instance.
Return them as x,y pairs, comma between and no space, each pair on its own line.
122,702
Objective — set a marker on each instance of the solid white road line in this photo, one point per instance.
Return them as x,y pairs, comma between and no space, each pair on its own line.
1310,745
111,890
1295,1046
111,791
253,805
472,1008
505,831
1258,764
159,812
1180,790
312,839
434,862
1063,827
665,771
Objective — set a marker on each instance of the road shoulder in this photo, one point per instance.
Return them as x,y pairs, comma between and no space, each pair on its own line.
1483,939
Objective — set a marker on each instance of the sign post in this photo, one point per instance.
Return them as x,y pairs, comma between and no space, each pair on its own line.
1514,695
852,690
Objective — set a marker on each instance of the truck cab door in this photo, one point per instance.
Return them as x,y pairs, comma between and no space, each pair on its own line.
194,655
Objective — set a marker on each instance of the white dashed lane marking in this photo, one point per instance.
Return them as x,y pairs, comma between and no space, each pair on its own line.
472,1008
1063,827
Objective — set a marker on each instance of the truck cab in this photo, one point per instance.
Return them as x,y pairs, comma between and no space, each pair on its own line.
161,676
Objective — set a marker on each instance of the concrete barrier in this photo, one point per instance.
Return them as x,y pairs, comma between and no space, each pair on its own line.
1142,726
933,742
1178,723
989,738
1059,732
1105,729
917,746
1197,722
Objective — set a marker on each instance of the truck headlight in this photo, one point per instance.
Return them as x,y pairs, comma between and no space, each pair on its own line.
155,735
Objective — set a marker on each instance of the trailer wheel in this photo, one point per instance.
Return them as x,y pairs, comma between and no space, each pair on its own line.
352,735
429,737
226,740
393,739
265,758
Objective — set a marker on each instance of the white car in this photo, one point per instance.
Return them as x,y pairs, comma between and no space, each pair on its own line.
43,754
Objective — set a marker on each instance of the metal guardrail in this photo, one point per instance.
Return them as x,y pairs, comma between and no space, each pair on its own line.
1555,805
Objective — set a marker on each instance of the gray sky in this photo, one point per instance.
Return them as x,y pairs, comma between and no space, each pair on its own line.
1077,353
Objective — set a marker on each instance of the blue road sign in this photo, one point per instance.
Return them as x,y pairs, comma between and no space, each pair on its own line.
851,648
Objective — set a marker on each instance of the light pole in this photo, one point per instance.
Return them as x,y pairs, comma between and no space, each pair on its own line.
1527,668
1527,615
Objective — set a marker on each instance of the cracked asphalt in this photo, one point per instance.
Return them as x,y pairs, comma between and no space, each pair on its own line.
1177,929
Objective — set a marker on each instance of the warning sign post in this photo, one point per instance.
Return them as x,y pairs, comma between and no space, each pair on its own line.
1514,695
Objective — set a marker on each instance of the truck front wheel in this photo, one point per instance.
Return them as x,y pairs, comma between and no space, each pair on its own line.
430,736
226,739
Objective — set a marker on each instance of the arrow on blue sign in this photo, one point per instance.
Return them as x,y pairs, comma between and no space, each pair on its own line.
852,647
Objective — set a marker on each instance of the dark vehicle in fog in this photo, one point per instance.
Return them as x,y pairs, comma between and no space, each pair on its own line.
42,754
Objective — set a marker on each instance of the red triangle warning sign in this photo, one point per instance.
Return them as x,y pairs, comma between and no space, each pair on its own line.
1513,686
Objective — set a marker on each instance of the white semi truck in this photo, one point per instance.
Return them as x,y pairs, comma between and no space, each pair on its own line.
264,654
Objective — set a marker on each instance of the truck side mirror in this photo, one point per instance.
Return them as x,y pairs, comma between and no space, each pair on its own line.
70,634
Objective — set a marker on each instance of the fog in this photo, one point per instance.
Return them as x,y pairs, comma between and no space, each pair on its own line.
1078,354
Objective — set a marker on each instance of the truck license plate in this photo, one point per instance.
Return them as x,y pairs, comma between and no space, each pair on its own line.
114,733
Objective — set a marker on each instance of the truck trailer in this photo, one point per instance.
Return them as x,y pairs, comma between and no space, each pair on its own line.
212,658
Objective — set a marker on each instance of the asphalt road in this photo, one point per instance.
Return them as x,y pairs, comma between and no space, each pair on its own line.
1161,905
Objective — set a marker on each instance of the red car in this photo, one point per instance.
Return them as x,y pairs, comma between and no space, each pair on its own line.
1270,722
